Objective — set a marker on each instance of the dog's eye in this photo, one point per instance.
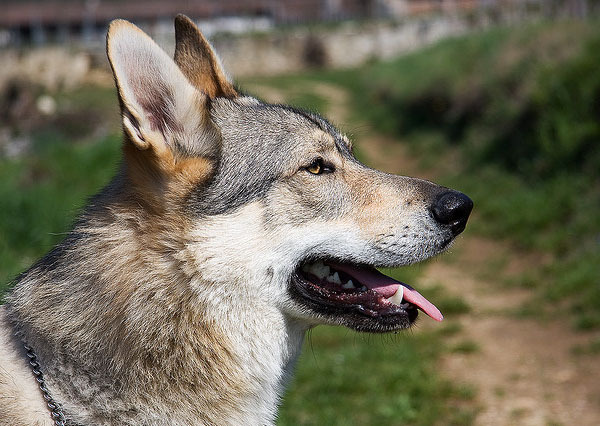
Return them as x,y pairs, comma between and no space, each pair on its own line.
318,167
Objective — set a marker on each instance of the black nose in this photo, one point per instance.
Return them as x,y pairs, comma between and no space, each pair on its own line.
452,208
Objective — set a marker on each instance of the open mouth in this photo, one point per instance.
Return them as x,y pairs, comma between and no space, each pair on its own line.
362,290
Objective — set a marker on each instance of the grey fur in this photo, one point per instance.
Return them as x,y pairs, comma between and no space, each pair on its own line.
259,141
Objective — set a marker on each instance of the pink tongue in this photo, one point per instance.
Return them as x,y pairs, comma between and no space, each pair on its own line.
387,287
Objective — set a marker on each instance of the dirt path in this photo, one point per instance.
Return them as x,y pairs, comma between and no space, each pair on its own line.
523,370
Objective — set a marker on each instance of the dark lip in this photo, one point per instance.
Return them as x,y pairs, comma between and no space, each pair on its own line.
363,311
446,243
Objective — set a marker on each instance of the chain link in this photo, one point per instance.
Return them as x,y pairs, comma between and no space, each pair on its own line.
55,408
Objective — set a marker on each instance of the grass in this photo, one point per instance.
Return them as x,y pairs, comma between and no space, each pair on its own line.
590,348
345,378
465,347
42,193
43,190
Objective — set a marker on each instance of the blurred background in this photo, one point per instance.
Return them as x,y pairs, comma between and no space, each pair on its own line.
497,98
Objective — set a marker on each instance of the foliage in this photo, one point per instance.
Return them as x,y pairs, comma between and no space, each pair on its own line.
42,192
345,378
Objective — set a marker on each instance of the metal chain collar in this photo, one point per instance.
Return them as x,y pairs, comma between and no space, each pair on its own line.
55,408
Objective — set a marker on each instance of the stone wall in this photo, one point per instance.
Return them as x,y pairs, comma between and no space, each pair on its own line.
292,49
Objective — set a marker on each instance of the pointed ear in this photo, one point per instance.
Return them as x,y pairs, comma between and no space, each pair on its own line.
198,61
160,108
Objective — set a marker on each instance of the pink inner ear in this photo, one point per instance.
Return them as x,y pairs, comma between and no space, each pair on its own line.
151,92
146,76
154,90
157,102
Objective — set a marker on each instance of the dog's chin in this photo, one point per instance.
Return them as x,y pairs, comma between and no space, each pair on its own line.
357,296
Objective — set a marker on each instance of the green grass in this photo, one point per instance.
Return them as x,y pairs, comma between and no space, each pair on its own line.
345,378
465,347
43,191
590,348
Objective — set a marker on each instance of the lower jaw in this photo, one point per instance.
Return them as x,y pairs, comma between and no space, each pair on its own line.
366,324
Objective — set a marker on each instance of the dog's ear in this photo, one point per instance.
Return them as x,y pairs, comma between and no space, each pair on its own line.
198,61
160,108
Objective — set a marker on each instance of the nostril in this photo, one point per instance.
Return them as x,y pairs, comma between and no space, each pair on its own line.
452,208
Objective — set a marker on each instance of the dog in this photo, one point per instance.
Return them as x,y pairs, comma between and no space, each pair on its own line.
184,290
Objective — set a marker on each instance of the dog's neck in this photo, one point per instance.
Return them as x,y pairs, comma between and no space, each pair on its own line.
124,338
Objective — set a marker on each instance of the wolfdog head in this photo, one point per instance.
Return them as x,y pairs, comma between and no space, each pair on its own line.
275,207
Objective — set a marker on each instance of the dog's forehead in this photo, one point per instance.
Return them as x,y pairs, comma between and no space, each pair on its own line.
324,135
280,128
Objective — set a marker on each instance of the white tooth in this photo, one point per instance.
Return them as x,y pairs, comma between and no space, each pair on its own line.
336,278
397,297
348,285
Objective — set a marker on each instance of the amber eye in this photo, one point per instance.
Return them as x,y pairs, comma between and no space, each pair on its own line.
316,167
